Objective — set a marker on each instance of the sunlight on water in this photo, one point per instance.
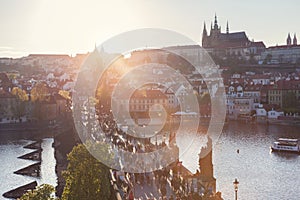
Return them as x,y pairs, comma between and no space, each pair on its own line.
48,174
10,149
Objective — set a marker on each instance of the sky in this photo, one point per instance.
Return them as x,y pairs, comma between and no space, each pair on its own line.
76,26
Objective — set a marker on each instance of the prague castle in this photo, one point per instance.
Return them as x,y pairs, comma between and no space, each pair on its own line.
216,39
229,44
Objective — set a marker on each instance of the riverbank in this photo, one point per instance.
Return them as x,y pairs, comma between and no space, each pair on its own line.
63,144
37,132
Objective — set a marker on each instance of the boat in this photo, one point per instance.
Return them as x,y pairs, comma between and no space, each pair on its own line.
286,144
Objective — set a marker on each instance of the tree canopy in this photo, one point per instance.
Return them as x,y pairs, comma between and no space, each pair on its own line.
42,192
40,92
86,177
20,94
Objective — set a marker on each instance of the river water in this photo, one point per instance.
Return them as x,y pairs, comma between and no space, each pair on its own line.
262,174
10,149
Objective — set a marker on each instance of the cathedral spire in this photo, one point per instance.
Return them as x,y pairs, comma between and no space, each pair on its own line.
216,22
289,40
204,35
204,30
295,40
227,28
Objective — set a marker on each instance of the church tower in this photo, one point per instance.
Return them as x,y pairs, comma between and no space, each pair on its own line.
215,33
216,29
227,28
289,40
295,40
204,36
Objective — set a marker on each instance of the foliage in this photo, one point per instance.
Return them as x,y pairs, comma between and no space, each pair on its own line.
19,107
290,102
40,92
42,192
86,177
65,94
20,94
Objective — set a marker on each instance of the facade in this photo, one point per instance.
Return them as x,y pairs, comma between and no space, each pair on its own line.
7,103
253,91
282,54
284,93
273,114
239,106
5,83
172,101
142,100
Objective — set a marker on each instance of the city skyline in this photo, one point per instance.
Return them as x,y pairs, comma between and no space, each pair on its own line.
70,27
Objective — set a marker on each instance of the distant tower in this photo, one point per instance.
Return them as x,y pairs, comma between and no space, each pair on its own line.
216,23
289,40
206,175
204,36
205,160
295,40
215,30
227,28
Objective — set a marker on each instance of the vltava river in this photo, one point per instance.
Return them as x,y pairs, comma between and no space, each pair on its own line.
262,174
10,149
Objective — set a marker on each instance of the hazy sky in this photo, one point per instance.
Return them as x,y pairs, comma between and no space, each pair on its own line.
74,26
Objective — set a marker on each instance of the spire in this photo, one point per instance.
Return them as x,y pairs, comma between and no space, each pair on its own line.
204,30
204,36
289,40
227,28
295,40
216,22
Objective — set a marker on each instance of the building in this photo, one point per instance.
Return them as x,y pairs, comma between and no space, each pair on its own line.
284,93
5,83
253,91
282,54
228,44
7,103
239,106
143,100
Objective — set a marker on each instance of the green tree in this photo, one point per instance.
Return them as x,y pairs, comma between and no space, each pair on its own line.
42,192
39,93
290,100
86,177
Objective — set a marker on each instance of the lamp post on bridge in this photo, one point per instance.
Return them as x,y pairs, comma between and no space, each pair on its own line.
235,184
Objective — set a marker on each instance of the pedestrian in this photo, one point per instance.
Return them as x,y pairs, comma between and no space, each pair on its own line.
131,195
